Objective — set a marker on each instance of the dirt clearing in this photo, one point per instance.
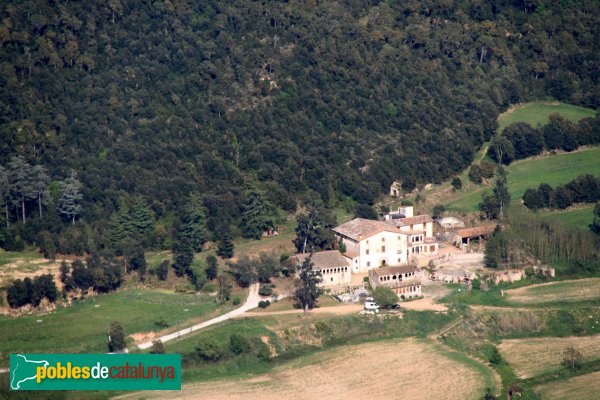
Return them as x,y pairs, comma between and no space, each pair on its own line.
399,369
425,304
531,357
571,290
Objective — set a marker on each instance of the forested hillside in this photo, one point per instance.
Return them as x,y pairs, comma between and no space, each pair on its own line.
149,101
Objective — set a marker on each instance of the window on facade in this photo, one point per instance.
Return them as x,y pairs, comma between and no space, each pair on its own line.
383,249
368,263
398,260
383,239
367,242
367,252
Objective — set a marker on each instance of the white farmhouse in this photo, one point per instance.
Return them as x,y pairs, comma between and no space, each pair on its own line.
371,244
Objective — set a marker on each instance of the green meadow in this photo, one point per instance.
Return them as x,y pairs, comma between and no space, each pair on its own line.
83,326
523,174
538,113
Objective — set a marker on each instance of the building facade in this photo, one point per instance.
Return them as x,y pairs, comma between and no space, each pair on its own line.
334,267
370,244
419,230
403,280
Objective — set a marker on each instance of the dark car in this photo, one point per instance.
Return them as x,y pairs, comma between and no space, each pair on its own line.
396,307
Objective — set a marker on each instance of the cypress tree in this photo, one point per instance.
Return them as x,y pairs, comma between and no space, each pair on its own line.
308,290
225,248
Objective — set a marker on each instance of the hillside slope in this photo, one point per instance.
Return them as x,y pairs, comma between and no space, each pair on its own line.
155,99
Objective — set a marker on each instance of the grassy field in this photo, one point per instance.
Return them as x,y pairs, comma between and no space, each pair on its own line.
529,173
582,387
562,291
384,369
83,326
577,217
531,357
538,113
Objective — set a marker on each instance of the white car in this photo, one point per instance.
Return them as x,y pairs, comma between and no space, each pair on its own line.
372,306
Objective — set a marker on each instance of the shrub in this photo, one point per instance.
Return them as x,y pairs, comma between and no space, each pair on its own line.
264,303
384,296
116,337
162,272
265,290
236,301
488,394
572,358
157,347
263,352
208,349
495,358
208,288
238,344
438,210
456,183
161,323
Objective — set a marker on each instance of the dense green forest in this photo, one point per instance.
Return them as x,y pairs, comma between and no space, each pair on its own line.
161,107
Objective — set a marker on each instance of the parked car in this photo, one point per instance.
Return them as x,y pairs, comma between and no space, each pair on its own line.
372,306
396,307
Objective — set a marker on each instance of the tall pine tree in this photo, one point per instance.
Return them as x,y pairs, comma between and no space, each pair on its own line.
40,184
193,222
257,215
225,248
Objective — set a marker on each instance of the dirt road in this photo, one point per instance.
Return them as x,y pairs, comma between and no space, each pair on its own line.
251,302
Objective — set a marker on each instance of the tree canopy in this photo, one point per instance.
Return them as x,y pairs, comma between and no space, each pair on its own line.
158,100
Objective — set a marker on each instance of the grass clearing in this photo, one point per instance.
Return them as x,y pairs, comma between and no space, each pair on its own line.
582,387
561,291
538,113
385,369
14,265
83,326
576,217
531,357
555,170
9,257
